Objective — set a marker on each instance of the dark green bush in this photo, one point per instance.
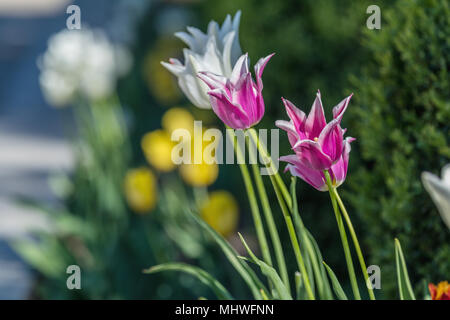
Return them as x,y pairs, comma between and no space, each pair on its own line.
401,120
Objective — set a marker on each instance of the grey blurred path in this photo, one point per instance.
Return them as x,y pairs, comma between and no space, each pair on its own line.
32,143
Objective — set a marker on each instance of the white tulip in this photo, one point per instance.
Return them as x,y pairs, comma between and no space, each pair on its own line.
439,190
80,62
216,51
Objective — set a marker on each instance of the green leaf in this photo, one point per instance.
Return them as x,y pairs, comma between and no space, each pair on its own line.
45,255
241,267
201,274
300,290
340,294
269,272
310,250
323,273
404,285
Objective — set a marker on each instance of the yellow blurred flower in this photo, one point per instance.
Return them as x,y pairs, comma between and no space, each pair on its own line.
157,148
221,212
199,174
140,189
178,118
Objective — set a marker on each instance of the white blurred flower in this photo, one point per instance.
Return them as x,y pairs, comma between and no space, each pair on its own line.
216,51
439,190
81,62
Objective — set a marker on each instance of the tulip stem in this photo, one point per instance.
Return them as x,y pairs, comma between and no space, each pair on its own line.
279,186
355,243
348,256
294,242
269,165
271,225
253,203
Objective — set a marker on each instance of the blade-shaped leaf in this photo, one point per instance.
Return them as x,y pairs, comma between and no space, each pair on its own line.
404,285
340,294
241,267
269,272
311,250
327,294
300,290
201,274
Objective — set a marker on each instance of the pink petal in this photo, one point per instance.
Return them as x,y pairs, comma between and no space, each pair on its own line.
259,68
316,119
260,107
310,154
229,113
297,116
331,140
212,80
245,97
313,177
338,111
288,126
240,69
339,169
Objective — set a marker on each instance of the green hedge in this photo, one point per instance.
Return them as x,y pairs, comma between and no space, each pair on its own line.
402,121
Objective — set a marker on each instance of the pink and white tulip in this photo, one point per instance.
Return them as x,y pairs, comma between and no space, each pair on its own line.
237,100
318,146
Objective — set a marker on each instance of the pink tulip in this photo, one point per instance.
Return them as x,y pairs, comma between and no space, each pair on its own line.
237,100
318,146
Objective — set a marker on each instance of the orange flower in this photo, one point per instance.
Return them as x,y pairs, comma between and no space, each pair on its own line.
441,292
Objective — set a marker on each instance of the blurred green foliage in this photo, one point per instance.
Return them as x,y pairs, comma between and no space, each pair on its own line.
401,117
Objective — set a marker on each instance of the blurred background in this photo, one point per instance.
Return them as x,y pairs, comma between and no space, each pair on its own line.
83,173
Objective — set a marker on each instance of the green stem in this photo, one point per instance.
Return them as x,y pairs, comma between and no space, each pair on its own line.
253,203
348,256
294,242
302,234
355,243
271,225
282,196
275,177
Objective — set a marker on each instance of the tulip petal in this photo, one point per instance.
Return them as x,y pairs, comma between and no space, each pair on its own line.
297,117
228,44
245,96
173,68
446,175
226,26
188,39
259,68
240,69
439,191
229,113
236,50
338,111
212,80
331,140
339,169
288,126
313,177
310,154
212,58
316,119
